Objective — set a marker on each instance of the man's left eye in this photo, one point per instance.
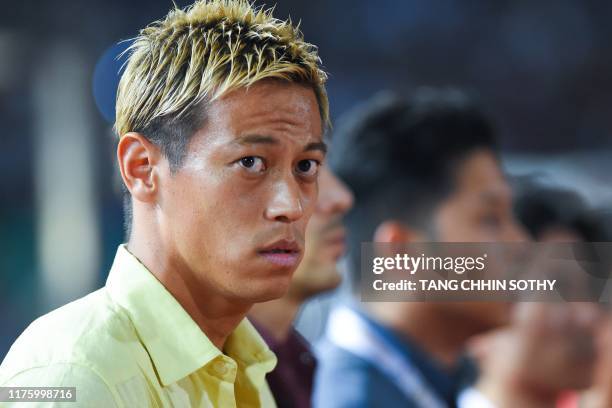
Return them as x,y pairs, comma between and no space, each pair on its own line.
308,167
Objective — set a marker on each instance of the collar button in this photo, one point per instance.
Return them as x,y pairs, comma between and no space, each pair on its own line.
220,367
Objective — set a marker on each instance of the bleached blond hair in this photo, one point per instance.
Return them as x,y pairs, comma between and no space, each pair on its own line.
199,54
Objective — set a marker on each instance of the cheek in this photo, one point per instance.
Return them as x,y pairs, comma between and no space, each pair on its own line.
451,227
478,233
462,226
213,214
316,224
309,200
445,223
313,234
240,204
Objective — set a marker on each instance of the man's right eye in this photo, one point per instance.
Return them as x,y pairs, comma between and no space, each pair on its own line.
253,164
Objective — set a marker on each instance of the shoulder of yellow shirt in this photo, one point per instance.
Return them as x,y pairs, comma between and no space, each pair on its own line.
80,333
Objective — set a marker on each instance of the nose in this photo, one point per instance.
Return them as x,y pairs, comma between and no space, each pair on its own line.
286,202
334,195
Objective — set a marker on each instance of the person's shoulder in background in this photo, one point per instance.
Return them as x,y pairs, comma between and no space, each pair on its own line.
345,380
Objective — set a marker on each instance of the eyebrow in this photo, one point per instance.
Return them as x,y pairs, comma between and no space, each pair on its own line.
321,146
256,139
269,140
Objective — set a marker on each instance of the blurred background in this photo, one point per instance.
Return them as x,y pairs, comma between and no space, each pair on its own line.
543,70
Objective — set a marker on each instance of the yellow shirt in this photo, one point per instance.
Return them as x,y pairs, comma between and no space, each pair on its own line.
131,344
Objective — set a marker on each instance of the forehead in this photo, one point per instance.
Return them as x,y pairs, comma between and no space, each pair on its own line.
269,107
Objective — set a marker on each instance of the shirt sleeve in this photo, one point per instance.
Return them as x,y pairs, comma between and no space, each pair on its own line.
91,389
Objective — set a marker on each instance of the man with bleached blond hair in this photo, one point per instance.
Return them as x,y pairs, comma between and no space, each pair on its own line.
220,115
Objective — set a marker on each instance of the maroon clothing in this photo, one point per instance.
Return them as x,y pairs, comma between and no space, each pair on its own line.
291,380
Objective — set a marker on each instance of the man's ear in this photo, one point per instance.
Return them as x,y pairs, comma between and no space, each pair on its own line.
393,231
138,163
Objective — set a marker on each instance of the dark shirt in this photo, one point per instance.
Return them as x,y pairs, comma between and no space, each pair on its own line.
445,382
346,380
292,379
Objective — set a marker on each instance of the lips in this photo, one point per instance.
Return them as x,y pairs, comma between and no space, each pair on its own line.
284,253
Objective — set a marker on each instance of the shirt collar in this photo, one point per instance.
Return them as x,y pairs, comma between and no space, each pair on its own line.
248,348
445,382
174,341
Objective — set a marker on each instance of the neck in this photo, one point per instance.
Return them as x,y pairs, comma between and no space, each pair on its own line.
441,337
216,316
276,316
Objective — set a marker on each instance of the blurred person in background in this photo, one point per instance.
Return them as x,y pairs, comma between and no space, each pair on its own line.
291,381
555,214
600,395
421,170
547,351
426,169
552,214
219,150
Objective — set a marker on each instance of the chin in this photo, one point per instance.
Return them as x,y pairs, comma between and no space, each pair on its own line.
329,278
328,285
273,288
